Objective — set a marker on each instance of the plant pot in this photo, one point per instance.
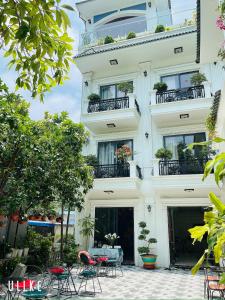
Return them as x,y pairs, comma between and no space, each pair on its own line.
25,251
19,252
32,218
15,217
8,255
44,218
22,222
14,252
149,261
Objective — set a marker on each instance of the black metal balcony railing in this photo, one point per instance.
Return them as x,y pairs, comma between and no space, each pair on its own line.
180,94
182,167
109,104
112,171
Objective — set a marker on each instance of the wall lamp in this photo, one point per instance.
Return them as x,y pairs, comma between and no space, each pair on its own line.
146,135
145,73
149,208
86,83
149,4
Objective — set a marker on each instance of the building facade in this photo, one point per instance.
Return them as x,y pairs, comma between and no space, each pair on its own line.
168,195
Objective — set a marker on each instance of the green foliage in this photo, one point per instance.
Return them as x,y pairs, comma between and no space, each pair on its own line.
160,28
91,160
94,97
164,153
70,251
214,219
41,161
40,248
131,35
34,35
160,86
108,39
8,266
212,117
126,87
143,236
198,78
87,226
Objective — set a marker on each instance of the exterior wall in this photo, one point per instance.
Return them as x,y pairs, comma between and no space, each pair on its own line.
157,195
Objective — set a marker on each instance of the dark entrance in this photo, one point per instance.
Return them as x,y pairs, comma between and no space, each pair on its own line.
121,221
182,251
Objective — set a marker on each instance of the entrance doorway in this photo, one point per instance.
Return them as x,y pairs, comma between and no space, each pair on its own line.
119,220
182,251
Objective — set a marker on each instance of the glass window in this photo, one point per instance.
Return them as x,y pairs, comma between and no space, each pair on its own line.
107,151
110,92
172,142
178,81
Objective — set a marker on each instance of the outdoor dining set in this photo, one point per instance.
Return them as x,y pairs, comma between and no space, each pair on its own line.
61,281
213,286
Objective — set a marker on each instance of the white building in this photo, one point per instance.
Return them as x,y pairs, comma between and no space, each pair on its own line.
169,196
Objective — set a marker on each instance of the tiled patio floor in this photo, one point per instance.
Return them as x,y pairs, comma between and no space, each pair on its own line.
138,283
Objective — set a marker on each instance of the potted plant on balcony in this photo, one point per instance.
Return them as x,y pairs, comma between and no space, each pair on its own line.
126,87
160,28
131,35
198,79
148,259
160,86
94,97
108,39
123,153
163,154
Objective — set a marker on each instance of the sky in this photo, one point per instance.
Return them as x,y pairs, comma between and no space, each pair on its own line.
66,97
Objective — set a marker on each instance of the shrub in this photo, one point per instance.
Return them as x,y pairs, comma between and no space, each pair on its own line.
163,153
160,86
131,35
160,28
143,236
91,160
126,87
108,39
198,79
94,97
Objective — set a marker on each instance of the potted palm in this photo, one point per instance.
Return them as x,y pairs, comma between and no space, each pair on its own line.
148,259
164,154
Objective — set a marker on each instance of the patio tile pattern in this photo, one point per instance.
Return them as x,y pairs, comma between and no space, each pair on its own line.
138,283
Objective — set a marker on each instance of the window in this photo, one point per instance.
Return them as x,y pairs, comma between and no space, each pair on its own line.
107,150
110,92
178,81
172,142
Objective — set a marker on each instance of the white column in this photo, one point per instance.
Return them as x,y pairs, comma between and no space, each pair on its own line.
132,168
87,90
207,87
152,97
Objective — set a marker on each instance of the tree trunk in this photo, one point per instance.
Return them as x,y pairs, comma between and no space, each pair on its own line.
61,246
67,224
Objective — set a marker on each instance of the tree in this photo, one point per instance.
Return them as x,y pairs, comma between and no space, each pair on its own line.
214,219
41,161
33,33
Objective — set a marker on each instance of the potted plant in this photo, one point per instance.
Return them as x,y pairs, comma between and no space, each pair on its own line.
148,259
123,153
160,86
111,238
108,39
160,28
91,160
87,228
198,79
126,87
164,154
131,35
94,97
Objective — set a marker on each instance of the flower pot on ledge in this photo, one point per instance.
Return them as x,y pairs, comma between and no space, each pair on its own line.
149,261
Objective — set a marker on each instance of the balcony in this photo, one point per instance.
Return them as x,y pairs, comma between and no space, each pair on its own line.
142,26
180,94
182,167
117,180
186,106
112,115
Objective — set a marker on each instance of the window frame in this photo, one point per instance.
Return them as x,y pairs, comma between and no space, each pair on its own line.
179,76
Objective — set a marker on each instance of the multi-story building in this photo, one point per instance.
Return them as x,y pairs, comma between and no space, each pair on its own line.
168,195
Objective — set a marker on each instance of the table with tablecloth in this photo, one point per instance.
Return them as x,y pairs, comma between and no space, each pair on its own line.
112,253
